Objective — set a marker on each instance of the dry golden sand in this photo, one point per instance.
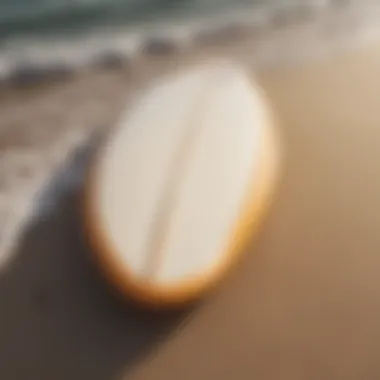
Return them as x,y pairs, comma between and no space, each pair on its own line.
305,302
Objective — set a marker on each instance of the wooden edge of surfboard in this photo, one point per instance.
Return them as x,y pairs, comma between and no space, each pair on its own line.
258,200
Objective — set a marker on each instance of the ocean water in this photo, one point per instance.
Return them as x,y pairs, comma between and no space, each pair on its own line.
74,30
20,18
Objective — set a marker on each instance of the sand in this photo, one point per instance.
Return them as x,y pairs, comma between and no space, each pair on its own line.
303,304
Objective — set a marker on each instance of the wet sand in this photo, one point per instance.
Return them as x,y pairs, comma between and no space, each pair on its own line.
304,302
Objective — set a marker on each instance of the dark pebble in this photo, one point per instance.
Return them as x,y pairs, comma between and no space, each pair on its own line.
111,60
159,47
30,74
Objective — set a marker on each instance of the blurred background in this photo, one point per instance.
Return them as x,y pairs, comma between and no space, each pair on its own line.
305,304
72,31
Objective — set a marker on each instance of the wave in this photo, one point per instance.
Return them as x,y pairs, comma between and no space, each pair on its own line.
38,17
121,43
85,47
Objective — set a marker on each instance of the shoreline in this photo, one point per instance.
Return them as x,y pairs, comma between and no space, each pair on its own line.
36,61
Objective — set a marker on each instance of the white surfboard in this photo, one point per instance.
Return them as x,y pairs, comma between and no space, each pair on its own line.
182,183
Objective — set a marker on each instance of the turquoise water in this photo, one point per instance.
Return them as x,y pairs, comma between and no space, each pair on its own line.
40,17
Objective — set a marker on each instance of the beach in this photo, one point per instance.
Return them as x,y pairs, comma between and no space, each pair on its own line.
309,290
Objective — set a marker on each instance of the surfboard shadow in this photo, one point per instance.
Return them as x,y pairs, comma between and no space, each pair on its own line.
58,320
